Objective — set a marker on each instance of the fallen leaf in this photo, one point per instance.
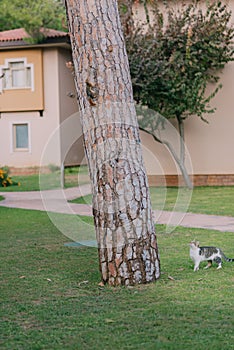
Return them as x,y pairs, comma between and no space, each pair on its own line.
49,280
101,284
109,320
171,278
22,276
83,282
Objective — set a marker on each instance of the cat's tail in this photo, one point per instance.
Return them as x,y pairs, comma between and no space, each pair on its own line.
225,258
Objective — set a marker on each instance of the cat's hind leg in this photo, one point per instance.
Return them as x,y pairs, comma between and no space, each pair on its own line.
218,260
208,265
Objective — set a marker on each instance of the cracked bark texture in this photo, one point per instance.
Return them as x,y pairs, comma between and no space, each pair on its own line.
127,245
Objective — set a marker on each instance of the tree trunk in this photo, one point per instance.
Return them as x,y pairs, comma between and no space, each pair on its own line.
175,156
181,162
128,252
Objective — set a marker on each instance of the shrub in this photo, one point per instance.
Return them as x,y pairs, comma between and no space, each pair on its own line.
5,180
53,168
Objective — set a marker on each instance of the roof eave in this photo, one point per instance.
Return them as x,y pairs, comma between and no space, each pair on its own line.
49,42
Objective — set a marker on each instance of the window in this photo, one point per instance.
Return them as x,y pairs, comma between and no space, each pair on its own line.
20,137
17,74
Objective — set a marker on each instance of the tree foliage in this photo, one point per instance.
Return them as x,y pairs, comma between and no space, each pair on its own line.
179,50
32,15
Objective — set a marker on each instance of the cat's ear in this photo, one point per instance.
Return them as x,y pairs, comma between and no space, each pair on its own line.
197,243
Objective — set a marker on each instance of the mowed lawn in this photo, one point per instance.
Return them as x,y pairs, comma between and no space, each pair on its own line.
50,297
202,200
73,176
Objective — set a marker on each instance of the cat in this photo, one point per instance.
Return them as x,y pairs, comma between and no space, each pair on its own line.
210,254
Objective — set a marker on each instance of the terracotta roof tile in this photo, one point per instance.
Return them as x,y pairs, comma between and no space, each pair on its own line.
52,33
14,34
20,34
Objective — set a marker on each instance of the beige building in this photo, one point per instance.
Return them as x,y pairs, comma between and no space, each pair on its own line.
36,95
38,126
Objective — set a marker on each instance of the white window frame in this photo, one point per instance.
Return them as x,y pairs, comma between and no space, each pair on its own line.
7,62
13,137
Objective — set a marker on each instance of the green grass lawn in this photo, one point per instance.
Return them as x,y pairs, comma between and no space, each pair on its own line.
204,200
74,176
51,300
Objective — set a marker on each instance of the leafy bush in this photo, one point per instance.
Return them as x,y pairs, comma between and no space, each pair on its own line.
5,180
53,168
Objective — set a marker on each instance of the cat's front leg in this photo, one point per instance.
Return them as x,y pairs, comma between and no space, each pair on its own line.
218,260
196,267
208,265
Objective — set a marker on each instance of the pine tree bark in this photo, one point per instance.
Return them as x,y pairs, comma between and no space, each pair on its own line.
127,245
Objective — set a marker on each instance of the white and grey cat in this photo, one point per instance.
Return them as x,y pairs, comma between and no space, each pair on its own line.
210,254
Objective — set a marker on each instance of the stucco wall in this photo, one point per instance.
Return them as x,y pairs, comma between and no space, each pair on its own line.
41,128
210,146
27,99
72,151
50,121
18,158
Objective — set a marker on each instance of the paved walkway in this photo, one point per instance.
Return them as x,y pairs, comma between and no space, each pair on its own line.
51,200
57,201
